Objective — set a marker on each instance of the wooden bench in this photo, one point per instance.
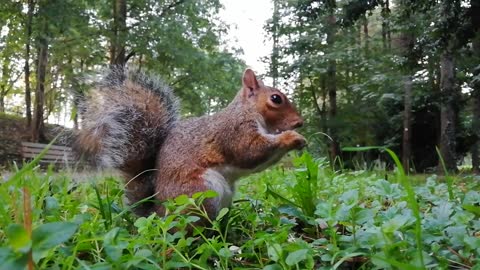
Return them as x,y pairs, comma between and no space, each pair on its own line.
56,154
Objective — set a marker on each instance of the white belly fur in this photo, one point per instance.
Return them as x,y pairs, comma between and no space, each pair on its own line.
217,182
222,179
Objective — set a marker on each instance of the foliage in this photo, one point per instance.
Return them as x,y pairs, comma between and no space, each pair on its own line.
377,44
359,220
180,41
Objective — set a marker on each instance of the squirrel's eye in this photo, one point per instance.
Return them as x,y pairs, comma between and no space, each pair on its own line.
276,99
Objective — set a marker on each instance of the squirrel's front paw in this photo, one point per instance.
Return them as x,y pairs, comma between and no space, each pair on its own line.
292,140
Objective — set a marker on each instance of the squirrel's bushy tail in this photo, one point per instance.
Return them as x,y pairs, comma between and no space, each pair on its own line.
125,119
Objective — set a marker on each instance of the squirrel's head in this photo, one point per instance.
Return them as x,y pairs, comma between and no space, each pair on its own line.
277,111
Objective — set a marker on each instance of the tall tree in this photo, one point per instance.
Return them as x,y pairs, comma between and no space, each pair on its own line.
275,48
448,87
365,34
28,37
38,133
7,80
331,79
117,46
407,40
475,21
9,52
386,38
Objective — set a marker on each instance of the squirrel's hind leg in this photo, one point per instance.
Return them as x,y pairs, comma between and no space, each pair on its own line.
138,188
208,207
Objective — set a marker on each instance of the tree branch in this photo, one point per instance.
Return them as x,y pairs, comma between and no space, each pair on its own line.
132,53
170,7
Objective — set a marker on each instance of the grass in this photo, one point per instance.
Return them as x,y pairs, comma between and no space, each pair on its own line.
303,217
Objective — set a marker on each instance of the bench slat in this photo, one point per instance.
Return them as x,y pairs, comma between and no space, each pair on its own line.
49,152
55,162
42,146
54,154
47,156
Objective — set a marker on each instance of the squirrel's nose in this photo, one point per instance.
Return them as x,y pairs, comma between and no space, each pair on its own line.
298,123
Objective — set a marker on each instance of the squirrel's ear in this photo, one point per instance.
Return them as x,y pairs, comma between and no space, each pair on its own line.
250,82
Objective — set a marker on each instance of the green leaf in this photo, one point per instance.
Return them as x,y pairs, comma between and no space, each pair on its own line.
51,204
222,213
291,211
10,260
182,200
49,235
384,262
394,224
472,209
273,267
210,194
297,256
274,252
350,197
113,247
18,238
225,252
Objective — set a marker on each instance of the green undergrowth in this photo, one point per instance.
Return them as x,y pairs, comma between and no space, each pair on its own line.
305,216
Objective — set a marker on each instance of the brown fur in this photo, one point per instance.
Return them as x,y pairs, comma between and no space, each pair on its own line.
230,137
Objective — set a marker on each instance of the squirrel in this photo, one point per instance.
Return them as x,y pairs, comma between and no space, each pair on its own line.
131,123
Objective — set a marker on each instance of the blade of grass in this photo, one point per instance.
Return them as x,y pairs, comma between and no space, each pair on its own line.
448,179
411,200
101,206
30,165
27,205
346,257
27,222
280,197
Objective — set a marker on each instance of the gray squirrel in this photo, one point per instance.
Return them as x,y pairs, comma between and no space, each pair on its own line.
132,123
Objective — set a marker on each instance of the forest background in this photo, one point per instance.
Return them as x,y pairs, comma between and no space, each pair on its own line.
402,74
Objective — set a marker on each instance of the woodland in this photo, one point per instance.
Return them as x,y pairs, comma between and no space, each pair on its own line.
401,74
389,91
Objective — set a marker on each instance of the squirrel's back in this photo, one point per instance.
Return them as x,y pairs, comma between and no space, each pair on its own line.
125,119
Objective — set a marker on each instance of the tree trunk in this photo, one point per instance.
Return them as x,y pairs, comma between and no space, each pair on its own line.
359,37
79,94
476,129
365,34
386,24
389,36
408,68
140,62
475,5
28,95
448,112
38,125
274,60
332,83
407,123
3,84
117,49
324,105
